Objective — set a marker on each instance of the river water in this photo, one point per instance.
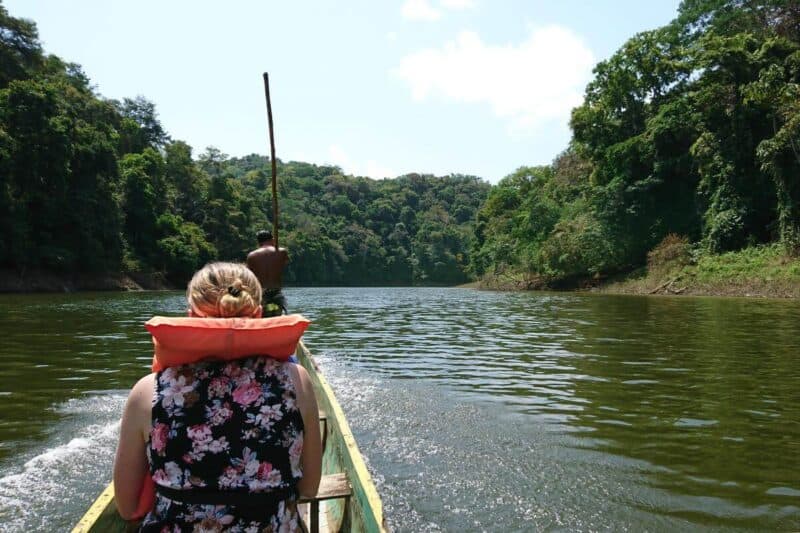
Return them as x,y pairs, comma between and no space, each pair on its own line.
475,411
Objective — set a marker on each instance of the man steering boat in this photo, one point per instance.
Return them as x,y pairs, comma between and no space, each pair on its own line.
267,263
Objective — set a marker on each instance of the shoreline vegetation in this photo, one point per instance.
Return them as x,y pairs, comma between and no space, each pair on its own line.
757,272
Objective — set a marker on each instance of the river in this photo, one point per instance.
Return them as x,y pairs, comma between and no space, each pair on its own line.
475,411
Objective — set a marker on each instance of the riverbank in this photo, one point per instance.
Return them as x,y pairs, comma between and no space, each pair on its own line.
38,280
759,271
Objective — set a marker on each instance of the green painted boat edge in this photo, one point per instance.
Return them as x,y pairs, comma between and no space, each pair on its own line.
364,510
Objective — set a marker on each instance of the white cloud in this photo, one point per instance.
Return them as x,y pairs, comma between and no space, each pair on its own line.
371,168
538,80
419,10
458,4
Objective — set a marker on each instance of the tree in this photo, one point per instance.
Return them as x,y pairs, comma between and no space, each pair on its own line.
778,91
182,249
189,182
139,205
139,127
20,50
225,222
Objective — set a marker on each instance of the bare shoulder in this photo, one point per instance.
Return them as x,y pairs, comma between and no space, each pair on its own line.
137,414
299,375
303,376
304,390
147,381
142,393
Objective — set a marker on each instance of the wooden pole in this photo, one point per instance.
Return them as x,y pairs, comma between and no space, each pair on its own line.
274,163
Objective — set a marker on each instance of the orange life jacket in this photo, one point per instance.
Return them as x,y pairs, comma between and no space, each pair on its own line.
184,340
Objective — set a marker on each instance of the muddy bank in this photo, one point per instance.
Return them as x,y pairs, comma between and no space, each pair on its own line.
681,284
43,281
750,288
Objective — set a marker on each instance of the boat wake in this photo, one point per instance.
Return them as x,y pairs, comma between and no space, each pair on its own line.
449,464
45,489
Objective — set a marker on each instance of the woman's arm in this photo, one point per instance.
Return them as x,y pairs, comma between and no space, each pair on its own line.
130,465
311,457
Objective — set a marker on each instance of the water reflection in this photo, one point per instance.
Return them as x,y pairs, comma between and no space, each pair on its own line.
705,391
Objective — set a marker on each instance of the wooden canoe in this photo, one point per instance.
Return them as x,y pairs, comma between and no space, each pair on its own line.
347,499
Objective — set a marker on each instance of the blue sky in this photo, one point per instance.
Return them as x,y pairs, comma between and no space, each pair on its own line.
380,88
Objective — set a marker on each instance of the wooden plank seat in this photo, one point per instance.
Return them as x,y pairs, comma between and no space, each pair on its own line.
330,487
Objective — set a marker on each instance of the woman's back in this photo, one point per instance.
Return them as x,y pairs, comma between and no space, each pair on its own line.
230,429
230,445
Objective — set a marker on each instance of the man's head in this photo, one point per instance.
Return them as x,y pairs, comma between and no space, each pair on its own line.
264,236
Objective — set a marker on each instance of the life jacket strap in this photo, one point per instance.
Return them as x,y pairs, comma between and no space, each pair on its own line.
239,498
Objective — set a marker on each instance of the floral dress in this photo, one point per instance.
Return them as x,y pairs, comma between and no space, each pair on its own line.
225,427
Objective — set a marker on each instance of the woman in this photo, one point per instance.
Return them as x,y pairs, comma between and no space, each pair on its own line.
230,445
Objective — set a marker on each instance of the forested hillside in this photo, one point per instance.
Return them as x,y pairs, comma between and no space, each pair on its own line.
96,185
690,131
354,230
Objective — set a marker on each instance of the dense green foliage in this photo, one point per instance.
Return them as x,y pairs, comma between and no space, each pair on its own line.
352,230
90,184
692,129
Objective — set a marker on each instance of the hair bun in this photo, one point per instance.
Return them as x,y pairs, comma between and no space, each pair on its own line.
224,290
235,289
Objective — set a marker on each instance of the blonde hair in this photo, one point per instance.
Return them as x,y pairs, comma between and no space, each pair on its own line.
224,290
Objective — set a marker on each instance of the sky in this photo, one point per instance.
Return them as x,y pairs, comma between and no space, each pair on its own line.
380,88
